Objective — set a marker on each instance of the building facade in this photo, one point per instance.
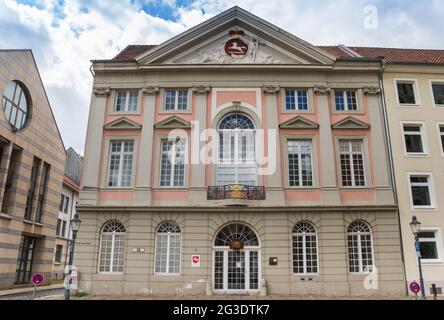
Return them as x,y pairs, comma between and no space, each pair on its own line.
237,158
67,209
413,84
31,169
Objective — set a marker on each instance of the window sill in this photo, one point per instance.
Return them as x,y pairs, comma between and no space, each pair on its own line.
28,221
432,262
5,216
175,111
291,188
409,105
38,224
424,209
57,263
124,113
417,155
355,188
309,111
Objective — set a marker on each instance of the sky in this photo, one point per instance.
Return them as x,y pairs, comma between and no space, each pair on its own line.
66,35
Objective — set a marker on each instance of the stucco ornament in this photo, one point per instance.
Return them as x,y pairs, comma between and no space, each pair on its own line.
372,90
270,89
321,89
150,90
235,49
102,91
201,90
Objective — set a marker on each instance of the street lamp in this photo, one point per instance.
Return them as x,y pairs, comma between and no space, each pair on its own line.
75,225
415,225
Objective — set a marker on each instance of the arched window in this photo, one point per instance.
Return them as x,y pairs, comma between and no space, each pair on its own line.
360,255
112,247
236,231
167,260
16,104
305,248
237,163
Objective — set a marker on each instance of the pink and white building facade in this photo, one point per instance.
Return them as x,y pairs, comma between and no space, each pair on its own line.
237,158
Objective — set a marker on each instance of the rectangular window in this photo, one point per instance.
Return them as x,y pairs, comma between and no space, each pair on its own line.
58,254
62,202
11,181
172,163
414,138
352,163
428,245
176,99
42,192
300,172
65,209
421,188
296,100
63,232
32,186
346,100
438,94
441,135
126,101
59,227
120,165
406,92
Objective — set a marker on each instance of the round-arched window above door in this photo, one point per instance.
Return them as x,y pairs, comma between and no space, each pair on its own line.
236,231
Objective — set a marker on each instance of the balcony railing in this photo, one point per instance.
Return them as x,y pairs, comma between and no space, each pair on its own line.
236,191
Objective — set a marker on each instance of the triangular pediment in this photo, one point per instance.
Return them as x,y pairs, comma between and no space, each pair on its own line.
205,44
123,123
173,122
350,123
299,122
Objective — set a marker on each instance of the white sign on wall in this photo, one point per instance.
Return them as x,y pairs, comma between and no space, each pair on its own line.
195,261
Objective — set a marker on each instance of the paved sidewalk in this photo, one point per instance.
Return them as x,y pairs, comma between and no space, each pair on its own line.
17,291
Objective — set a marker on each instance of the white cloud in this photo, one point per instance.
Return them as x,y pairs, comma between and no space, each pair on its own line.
66,37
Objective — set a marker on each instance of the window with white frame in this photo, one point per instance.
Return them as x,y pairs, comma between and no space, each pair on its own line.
172,163
360,253
112,247
168,238
346,100
126,101
296,99
406,92
414,138
352,163
438,93
58,253
421,191
120,165
237,159
441,135
429,245
305,248
300,163
176,99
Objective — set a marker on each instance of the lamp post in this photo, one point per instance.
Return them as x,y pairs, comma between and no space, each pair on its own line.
75,225
415,225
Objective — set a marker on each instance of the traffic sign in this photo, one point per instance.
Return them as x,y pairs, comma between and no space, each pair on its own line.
414,287
37,279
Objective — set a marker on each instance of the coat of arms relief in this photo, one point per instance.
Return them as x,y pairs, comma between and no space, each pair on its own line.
237,48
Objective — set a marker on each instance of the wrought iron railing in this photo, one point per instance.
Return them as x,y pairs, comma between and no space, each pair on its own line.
236,191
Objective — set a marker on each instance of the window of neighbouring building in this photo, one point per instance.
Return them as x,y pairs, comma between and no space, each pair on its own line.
172,163
42,192
62,202
112,248
296,99
305,249
406,92
120,164
352,163
414,138
421,191
438,94
429,246
167,255
346,100
65,209
300,163
32,187
360,244
176,99
441,136
16,104
59,227
126,101
58,254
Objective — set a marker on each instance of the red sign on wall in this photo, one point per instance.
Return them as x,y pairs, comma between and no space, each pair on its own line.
195,261
236,47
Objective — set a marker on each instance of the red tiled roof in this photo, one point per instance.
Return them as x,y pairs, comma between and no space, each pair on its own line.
392,55
130,52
